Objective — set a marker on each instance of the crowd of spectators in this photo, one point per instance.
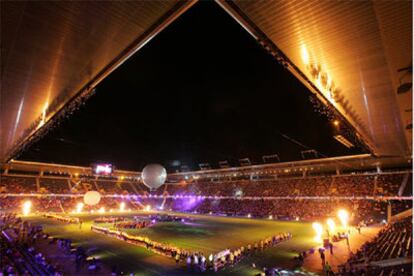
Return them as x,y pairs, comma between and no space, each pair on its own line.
338,185
295,209
9,184
328,194
54,185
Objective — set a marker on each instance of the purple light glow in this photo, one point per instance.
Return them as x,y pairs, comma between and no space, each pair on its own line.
187,202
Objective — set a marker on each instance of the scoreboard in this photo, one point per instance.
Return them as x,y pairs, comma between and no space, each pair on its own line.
102,168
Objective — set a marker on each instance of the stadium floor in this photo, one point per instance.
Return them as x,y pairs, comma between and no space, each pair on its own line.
208,234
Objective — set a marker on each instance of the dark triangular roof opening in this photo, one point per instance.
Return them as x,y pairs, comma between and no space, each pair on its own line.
203,90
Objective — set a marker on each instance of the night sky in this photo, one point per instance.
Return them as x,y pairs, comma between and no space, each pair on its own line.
203,90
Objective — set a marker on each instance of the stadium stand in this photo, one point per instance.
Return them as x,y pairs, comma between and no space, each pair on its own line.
387,254
13,184
54,185
239,196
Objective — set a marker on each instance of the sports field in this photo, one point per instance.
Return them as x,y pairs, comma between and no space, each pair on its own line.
208,234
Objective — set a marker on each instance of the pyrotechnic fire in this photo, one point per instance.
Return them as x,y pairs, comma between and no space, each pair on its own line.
79,207
343,217
318,230
331,224
27,205
122,206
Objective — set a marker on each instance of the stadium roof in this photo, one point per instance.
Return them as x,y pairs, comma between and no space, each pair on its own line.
355,55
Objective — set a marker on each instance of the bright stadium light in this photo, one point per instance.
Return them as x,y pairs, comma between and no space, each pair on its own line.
101,210
318,230
27,205
122,207
331,224
79,207
343,217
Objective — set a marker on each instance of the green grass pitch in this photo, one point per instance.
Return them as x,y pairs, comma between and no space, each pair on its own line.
208,234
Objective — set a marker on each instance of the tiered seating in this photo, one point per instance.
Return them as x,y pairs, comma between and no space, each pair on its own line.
389,184
355,185
360,185
394,241
109,187
126,188
22,258
18,184
408,191
237,193
54,185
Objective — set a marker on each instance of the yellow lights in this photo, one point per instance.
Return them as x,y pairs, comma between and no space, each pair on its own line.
122,177
331,225
147,208
329,81
79,207
43,119
101,210
319,75
27,206
44,110
317,227
270,217
341,139
122,207
343,216
305,54
336,123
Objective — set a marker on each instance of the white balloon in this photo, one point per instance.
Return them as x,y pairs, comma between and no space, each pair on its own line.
92,198
154,176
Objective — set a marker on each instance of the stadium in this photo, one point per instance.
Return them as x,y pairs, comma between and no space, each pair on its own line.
206,137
